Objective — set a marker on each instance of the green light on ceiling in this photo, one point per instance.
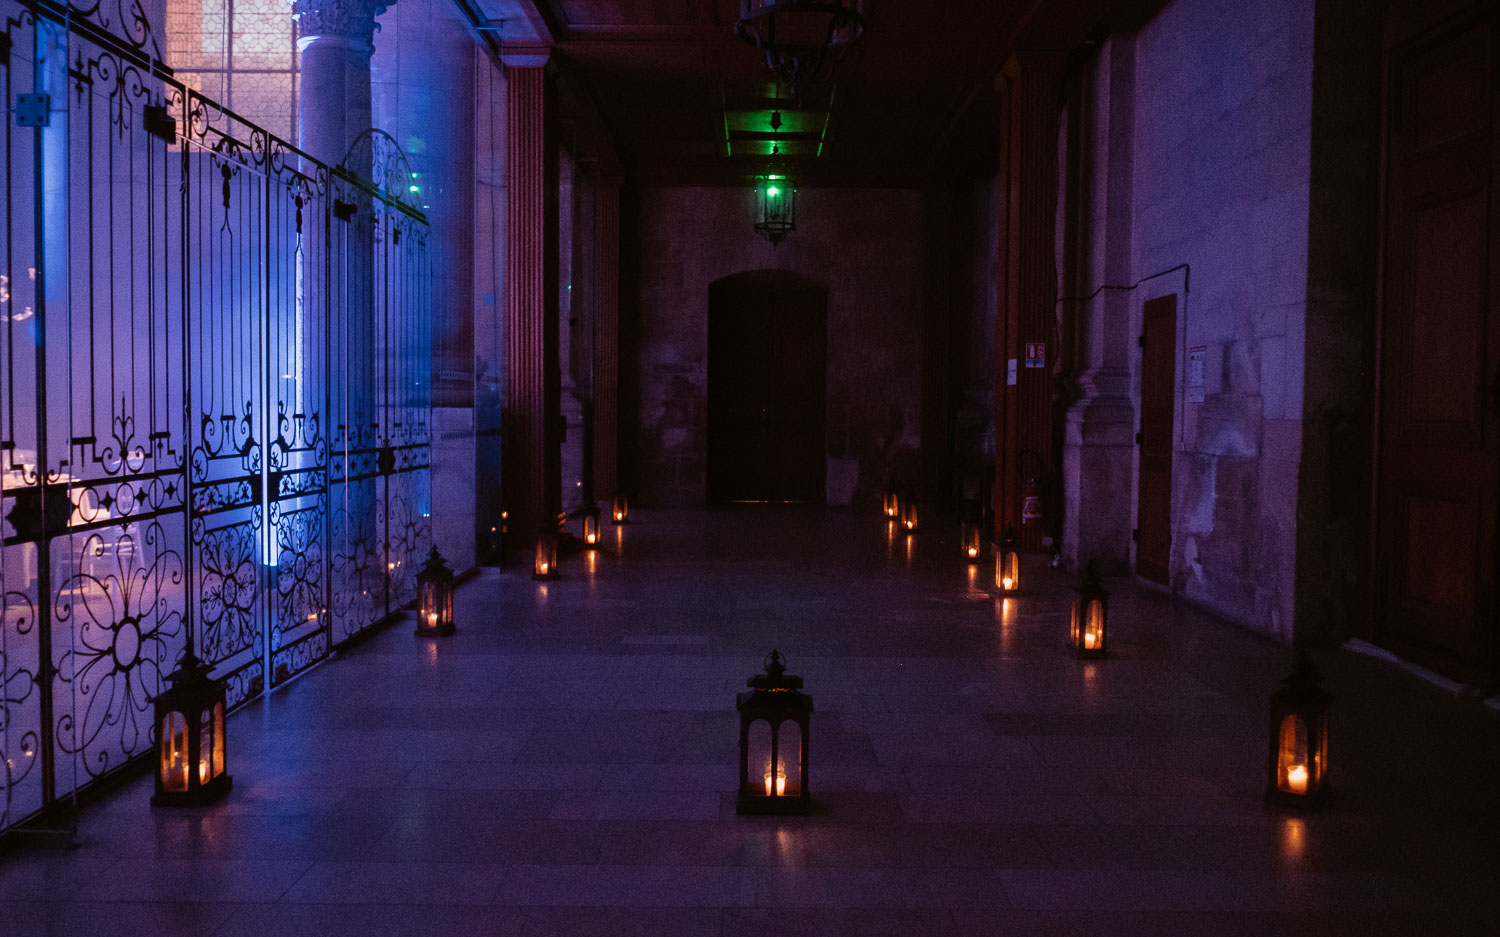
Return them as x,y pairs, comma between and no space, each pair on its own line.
773,191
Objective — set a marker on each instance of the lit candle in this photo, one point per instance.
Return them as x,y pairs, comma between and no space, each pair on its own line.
1296,779
973,552
432,619
1090,640
203,772
543,567
1006,582
780,784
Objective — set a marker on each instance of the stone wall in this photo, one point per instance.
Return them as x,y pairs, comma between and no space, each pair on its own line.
1218,141
864,245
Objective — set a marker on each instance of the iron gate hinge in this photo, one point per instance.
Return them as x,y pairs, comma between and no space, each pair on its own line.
33,110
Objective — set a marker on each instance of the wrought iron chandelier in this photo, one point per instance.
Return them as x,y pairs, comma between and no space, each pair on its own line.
796,36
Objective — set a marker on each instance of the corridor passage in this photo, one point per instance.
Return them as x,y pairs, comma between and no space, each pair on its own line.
564,766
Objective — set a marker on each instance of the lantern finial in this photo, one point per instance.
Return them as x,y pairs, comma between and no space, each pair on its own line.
775,663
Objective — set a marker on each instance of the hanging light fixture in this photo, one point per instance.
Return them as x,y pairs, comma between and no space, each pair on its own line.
796,36
776,207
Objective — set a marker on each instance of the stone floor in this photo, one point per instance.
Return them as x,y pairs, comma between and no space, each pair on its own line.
564,765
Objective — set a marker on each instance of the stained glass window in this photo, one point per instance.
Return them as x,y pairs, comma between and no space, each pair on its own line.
242,54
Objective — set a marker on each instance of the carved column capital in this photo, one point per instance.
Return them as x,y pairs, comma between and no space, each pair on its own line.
352,21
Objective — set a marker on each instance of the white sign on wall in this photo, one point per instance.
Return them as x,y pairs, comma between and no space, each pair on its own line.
1196,356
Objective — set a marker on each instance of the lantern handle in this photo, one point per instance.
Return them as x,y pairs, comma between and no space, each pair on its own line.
775,663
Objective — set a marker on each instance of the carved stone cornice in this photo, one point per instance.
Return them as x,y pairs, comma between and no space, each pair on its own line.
350,20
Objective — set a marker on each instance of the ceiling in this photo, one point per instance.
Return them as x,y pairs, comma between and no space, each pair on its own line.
664,92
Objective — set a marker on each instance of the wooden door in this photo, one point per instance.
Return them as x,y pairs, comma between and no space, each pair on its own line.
1439,451
766,373
1153,551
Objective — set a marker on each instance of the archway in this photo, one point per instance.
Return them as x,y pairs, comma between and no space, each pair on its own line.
767,371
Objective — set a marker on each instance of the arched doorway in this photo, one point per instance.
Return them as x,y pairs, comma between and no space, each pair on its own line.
767,369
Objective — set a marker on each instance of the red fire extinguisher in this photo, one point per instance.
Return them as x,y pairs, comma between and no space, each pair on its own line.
1031,501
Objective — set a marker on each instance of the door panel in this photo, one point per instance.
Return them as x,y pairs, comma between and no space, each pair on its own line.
1158,395
766,372
1439,459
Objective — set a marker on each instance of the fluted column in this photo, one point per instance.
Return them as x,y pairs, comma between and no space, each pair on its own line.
532,378
333,105
606,335
1024,411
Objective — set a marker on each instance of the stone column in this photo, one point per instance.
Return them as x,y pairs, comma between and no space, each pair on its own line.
333,105
606,365
1024,411
1099,444
532,380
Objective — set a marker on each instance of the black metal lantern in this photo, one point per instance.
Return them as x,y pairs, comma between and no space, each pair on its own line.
434,597
774,720
1008,564
1090,615
190,745
909,514
545,564
796,36
776,208
591,526
1298,767
892,504
619,511
973,543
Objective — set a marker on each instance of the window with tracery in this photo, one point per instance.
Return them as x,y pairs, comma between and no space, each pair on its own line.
240,53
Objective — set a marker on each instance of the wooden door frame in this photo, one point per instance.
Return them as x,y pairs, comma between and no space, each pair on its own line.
1408,28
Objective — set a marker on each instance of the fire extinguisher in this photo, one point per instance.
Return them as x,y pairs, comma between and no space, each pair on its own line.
1031,501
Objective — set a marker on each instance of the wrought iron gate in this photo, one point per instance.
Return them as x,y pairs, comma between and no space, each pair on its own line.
214,395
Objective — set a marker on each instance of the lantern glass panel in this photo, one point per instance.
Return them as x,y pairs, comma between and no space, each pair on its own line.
429,606
892,504
789,757
1008,571
546,557
1093,626
591,529
174,752
972,542
619,509
758,761
909,517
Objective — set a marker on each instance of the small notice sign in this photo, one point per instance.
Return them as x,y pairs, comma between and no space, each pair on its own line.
1196,356
1010,372
1036,354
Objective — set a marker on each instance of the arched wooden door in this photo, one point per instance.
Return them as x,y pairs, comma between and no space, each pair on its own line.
767,369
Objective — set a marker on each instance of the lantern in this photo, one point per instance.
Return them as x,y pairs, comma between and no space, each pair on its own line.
190,738
892,504
434,597
1008,564
1090,612
619,508
800,39
773,742
591,525
776,213
972,544
545,566
1298,769
909,512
